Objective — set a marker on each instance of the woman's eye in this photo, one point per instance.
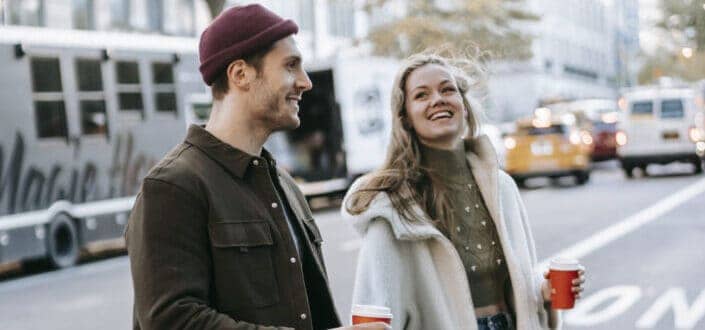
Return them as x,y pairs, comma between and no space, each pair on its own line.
420,95
449,89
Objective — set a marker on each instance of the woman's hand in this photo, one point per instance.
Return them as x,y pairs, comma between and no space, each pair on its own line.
578,285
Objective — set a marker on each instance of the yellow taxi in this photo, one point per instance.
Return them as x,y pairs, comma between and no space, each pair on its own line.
548,145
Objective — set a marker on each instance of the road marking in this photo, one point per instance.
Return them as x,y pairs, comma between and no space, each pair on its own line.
675,299
628,225
621,298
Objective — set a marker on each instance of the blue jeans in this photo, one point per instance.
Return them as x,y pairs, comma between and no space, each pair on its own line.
501,321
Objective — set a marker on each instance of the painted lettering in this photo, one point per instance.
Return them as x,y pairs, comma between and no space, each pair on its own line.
674,300
616,300
26,187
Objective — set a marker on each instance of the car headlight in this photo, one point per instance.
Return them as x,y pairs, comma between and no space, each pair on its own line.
621,138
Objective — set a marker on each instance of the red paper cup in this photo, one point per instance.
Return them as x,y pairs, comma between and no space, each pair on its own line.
370,313
562,273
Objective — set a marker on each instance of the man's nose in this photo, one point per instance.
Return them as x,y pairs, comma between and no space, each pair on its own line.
304,82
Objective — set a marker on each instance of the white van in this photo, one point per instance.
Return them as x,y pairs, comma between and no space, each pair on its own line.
659,126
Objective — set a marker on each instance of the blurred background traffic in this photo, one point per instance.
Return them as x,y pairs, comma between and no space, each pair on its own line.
595,108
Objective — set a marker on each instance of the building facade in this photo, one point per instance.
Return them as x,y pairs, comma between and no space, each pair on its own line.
581,49
183,18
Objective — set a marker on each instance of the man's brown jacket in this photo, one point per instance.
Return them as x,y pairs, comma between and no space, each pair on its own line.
210,247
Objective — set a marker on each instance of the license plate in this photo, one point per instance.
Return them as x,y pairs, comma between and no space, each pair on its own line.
670,135
542,148
543,164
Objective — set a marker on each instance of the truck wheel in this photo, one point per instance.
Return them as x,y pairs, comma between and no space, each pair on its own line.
698,166
521,182
628,171
62,242
582,177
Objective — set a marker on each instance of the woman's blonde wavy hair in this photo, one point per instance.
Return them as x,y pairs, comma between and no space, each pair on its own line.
402,177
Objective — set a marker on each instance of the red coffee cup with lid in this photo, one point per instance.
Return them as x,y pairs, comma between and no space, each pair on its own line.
370,313
561,274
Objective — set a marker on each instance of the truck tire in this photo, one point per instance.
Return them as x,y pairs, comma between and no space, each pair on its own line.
628,171
698,166
62,242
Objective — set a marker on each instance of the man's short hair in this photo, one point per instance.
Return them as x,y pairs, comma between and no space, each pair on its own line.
256,60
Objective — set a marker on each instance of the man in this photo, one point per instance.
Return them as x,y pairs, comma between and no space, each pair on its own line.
219,238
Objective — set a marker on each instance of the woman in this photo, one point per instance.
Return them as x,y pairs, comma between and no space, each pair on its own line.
446,243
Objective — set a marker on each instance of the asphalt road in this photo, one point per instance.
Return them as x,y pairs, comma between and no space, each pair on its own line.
642,242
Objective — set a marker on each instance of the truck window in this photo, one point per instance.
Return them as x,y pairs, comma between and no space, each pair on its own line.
165,91
672,108
643,108
48,96
94,119
128,87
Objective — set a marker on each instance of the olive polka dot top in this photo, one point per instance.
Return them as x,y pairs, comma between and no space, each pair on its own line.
472,231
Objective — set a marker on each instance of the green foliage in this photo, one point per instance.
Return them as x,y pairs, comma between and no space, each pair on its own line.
684,20
495,26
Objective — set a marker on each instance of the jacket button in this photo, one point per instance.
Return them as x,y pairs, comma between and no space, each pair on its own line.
274,205
303,316
293,260
255,162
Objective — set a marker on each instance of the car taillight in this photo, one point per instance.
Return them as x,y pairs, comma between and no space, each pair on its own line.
586,137
621,138
510,143
574,137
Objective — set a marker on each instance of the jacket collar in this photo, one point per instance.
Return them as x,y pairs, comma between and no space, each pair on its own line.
483,161
232,159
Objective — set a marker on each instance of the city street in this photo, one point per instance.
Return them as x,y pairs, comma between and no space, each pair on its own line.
641,241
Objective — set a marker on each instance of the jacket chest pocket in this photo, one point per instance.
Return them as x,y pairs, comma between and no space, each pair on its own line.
243,267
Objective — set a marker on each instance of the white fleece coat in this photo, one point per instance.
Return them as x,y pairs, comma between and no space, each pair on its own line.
414,269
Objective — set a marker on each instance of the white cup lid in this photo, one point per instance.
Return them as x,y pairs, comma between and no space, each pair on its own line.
372,311
565,264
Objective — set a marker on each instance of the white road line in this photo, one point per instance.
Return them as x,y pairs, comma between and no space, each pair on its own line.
628,225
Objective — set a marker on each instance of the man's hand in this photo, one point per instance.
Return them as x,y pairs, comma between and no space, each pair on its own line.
367,326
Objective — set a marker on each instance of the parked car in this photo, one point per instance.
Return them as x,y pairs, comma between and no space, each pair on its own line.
547,145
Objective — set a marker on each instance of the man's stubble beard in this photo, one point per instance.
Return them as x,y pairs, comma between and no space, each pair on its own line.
273,109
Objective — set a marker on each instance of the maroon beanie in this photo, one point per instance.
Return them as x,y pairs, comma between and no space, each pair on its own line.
236,33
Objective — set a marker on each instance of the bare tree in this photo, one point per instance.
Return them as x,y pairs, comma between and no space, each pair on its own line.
215,7
495,26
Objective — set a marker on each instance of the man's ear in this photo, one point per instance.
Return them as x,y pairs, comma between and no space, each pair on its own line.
240,75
